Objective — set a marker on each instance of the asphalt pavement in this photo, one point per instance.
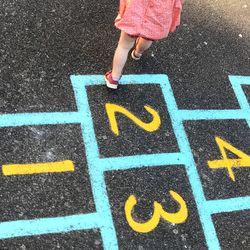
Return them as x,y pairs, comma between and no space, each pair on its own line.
175,136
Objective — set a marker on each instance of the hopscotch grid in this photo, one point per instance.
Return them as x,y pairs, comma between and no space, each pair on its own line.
207,223
162,80
83,116
46,224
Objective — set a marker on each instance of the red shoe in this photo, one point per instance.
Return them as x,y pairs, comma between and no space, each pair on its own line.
109,80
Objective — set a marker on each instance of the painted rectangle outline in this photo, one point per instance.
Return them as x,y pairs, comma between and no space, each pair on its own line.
79,85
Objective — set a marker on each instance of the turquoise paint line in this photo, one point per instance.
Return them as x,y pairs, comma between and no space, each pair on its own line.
233,114
103,208
194,179
228,205
28,119
96,175
237,82
49,225
90,80
143,79
79,83
140,161
107,230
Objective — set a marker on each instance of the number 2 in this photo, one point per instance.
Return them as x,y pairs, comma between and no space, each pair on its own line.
112,109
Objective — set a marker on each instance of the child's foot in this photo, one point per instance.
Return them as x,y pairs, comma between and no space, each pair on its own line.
135,55
110,82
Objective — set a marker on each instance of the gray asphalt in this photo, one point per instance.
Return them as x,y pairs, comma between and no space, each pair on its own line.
43,43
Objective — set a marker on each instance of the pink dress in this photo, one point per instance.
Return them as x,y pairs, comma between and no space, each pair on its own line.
151,19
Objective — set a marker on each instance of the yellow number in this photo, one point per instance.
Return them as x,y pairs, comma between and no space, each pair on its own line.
112,109
177,218
242,161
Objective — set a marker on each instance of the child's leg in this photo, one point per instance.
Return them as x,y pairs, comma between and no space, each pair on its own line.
125,44
141,46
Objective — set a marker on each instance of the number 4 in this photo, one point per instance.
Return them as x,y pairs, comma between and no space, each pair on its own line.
242,161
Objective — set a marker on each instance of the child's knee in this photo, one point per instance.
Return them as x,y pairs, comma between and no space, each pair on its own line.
126,45
126,41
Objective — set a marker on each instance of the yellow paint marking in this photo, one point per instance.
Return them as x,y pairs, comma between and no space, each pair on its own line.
243,161
37,168
112,109
150,225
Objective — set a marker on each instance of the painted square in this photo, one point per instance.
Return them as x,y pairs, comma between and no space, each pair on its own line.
132,139
233,230
149,185
216,182
45,194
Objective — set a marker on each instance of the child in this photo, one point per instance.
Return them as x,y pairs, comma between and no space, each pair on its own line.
141,22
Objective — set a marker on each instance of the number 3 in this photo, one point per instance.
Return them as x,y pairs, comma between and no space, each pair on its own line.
177,218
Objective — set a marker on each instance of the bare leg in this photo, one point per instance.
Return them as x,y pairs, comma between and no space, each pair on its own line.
125,44
141,46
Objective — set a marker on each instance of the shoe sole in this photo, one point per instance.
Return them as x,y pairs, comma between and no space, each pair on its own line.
109,85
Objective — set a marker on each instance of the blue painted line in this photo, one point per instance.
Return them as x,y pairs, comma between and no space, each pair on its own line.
90,80
28,119
49,225
102,203
143,79
228,205
205,217
233,114
88,132
96,175
237,82
140,161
